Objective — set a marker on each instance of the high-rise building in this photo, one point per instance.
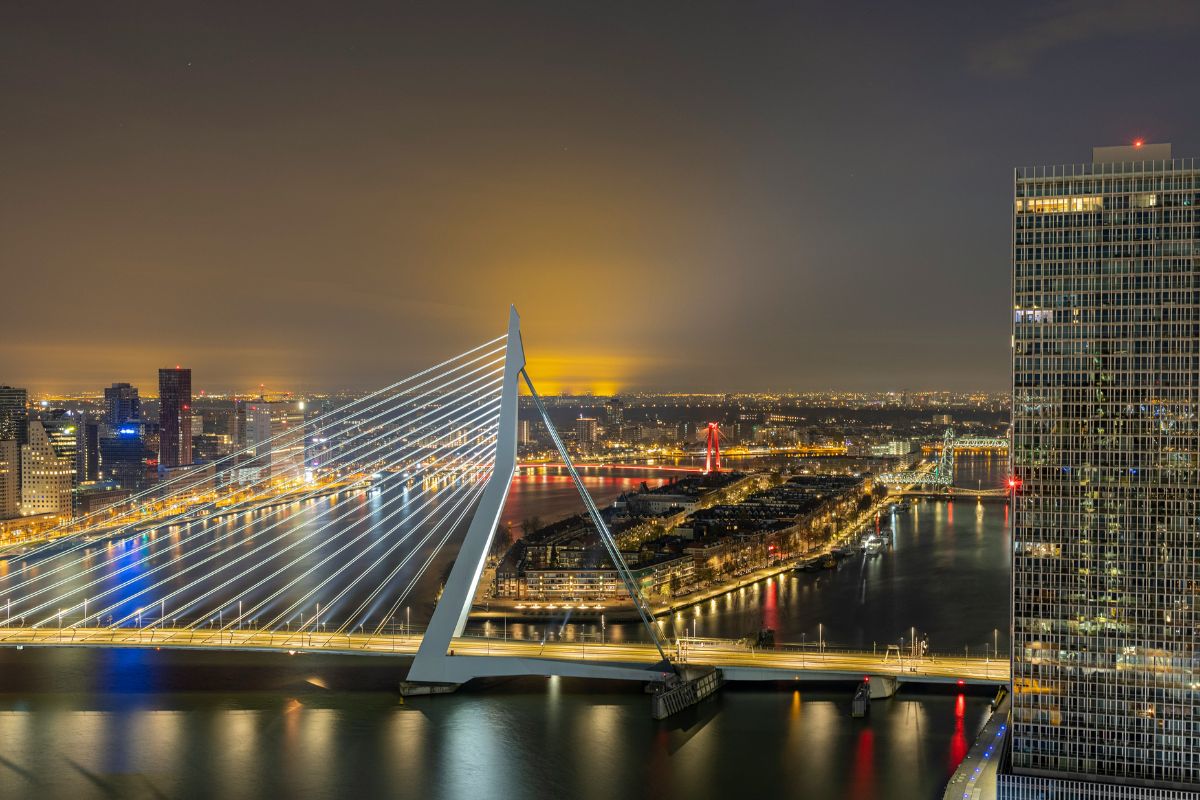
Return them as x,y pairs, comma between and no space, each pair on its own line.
46,477
13,413
10,478
123,456
586,432
62,430
614,411
174,417
121,403
1106,533
87,450
276,432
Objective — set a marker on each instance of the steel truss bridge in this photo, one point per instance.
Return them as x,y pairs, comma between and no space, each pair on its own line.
318,539
942,473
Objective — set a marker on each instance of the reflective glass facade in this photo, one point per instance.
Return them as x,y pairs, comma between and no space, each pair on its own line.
1106,391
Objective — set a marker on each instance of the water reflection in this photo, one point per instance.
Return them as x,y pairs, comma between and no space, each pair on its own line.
278,734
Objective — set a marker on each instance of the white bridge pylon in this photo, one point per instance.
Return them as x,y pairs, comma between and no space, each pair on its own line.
435,662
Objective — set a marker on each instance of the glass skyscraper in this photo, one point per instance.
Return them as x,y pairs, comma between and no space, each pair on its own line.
1106,443
121,404
13,414
175,417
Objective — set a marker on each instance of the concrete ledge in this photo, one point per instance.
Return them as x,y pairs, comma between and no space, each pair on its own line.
460,669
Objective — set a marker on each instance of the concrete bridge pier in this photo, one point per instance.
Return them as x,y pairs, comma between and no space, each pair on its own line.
883,686
423,689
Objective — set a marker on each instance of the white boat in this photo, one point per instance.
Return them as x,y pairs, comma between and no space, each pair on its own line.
874,546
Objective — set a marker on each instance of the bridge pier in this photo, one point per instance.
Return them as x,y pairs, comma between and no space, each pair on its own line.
883,686
694,685
423,689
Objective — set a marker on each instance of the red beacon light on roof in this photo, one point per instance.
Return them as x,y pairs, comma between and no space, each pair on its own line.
1138,142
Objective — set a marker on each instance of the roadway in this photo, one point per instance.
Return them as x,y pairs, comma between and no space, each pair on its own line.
736,661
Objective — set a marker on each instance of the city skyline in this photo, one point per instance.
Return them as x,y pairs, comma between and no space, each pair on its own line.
575,399
318,205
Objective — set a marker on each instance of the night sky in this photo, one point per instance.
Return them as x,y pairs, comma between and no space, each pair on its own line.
734,196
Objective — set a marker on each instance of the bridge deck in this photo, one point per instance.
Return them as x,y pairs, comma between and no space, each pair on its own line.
482,657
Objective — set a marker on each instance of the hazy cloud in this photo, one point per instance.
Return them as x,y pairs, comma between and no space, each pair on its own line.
1071,22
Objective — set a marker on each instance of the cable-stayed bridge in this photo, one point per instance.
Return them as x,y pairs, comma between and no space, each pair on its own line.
324,536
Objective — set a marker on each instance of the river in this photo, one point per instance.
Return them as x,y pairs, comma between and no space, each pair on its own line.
76,723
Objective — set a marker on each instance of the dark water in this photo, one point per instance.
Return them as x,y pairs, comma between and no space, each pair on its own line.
554,496
130,724
98,723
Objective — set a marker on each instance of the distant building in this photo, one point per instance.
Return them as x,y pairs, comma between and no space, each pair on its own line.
587,433
13,413
630,432
10,478
174,417
657,503
123,456
92,496
524,432
209,447
46,477
62,429
121,404
614,411
895,447
943,419
87,450
276,432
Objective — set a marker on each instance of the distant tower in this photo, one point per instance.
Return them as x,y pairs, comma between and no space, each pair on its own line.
712,449
586,433
13,415
174,417
122,404
45,475
10,478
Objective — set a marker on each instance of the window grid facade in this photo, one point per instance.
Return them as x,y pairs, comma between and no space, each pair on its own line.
1106,392
1021,787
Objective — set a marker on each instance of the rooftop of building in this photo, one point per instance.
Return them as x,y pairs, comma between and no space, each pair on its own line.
1127,159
